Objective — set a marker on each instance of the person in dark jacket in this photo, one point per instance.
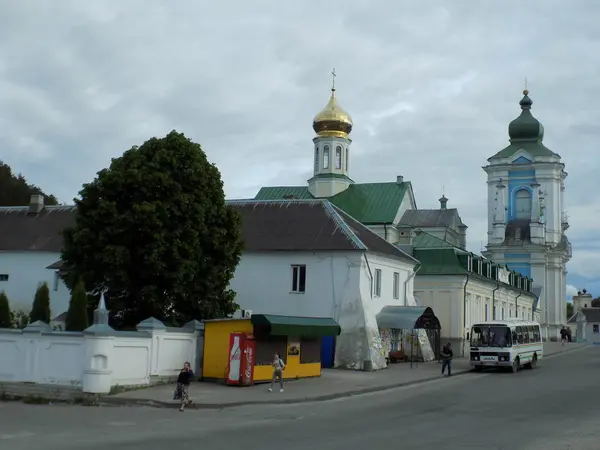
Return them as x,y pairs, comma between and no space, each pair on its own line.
447,355
183,383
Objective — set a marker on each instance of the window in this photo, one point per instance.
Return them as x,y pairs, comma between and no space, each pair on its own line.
596,328
377,286
56,280
502,313
479,266
523,204
338,157
396,285
326,157
3,277
470,264
486,311
347,150
316,159
299,279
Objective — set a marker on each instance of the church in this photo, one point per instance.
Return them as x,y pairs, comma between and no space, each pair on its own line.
527,246
461,287
526,214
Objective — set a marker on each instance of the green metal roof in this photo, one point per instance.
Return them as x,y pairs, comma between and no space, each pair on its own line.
423,240
525,132
533,148
439,262
369,203
296,326
281,192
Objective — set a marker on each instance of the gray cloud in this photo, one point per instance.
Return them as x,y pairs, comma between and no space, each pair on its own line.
431,86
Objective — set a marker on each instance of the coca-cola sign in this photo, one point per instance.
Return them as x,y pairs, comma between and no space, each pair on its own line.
248,366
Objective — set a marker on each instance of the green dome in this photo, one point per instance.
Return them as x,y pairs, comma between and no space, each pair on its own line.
526,127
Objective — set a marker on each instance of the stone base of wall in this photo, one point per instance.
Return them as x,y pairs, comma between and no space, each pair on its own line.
43,393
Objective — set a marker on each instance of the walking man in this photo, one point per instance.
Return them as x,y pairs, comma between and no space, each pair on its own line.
278,366
447,355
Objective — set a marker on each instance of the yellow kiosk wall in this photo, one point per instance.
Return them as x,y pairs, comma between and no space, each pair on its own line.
216,353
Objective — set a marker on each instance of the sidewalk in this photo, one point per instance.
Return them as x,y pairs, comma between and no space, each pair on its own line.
332,384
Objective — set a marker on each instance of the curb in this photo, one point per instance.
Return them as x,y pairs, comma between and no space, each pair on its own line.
121,401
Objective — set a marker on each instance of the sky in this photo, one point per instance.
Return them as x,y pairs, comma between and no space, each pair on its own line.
431,87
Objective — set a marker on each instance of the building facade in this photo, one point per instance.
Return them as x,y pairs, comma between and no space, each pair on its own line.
308,258
526,214
464,288
30,242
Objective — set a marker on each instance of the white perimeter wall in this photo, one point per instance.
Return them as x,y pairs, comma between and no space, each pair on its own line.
61,358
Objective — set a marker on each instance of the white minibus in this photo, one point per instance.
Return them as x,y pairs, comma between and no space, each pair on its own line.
512,343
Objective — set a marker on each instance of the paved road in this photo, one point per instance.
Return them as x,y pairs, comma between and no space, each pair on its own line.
554,407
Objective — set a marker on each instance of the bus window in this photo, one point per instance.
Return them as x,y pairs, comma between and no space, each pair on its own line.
515,337
526,339
536,333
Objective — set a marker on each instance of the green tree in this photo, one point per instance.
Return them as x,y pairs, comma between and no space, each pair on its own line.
41,304
570,311
5,313
15,191
77,315
153,231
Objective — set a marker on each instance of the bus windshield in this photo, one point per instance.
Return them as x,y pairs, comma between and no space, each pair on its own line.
490,336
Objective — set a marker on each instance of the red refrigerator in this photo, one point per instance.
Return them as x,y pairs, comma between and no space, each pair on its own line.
240,366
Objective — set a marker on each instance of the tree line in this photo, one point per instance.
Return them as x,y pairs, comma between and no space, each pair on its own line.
77,315
15,191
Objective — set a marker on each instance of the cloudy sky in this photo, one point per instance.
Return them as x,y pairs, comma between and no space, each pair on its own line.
431,86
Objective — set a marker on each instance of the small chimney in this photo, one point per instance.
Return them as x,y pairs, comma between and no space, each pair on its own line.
399,179
36,203
443,202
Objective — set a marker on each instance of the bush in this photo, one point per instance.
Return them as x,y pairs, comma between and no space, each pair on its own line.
77,316
41,304
5,313
20,319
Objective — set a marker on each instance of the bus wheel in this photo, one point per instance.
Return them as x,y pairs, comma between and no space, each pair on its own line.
515,366
477,368
533,362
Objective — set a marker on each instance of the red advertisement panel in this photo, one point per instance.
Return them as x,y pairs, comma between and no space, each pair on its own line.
248,362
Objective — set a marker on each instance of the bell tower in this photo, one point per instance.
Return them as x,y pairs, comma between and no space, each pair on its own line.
331,149
527,222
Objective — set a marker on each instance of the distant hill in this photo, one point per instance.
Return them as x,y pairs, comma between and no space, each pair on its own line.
15,191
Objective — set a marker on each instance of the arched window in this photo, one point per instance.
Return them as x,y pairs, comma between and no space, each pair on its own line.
326,157
316,158
347,151
338,157
523,204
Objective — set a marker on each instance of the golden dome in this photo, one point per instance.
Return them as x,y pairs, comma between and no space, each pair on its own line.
333,120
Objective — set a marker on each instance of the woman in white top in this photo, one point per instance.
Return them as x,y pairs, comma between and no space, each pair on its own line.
278,367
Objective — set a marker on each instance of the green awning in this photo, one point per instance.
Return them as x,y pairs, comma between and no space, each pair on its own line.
296,326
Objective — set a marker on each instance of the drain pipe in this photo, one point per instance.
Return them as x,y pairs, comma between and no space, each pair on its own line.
410,277
494,301
370,274
465,313
517,305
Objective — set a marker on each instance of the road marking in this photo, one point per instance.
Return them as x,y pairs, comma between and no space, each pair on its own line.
19,435
121,424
